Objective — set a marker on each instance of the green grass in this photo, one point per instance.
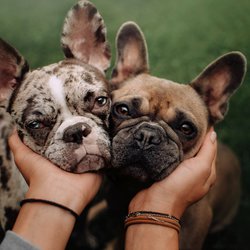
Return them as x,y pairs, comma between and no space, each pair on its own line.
183,37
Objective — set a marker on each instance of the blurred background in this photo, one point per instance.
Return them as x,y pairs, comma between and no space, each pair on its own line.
183,37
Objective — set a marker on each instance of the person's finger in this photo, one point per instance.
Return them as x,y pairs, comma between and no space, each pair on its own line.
208,149
200,166
93,180
25,158
212,178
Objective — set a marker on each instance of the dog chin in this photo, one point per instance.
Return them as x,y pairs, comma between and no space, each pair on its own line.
144,176
88,163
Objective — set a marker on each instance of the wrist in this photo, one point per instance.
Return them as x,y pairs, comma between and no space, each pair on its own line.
155,203
49,202
54,190
142,236
154,218
39,223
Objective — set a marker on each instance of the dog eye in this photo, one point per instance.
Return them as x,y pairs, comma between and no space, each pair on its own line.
35,125
187,128
122,110
101,101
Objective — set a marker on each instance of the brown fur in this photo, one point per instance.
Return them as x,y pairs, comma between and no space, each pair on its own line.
157,108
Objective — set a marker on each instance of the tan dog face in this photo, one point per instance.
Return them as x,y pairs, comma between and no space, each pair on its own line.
156,123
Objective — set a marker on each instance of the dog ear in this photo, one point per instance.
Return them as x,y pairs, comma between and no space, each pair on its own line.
84,36
218,82
12,69
131,53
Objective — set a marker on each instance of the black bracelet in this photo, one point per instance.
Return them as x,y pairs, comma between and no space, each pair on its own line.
50,203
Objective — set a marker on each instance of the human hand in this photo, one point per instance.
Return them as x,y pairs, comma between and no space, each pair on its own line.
47,181
189,182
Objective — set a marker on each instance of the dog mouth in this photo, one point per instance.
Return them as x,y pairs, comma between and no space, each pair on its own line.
146,152
146,165
89,162
146,172
165,172
79,159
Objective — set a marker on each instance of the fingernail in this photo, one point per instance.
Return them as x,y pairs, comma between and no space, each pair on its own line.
213,136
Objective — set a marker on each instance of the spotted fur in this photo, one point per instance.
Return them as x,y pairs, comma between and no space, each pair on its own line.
12,185
60,110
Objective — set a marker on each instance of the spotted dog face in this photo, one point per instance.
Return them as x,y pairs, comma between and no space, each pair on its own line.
61,110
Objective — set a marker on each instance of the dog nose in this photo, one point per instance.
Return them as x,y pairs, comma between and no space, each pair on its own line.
76,132
147,137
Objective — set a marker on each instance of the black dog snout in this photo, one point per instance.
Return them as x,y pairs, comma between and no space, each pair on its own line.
76,132
148,136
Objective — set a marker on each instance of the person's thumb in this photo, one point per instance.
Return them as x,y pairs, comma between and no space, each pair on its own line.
25,159
208,149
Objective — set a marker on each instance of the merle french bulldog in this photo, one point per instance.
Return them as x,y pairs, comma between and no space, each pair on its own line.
60,110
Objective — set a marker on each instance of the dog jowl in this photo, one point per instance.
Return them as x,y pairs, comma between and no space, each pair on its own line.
61,110
157,123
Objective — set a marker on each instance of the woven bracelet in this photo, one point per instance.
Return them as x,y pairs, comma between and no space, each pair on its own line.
156,214
148,217
32,200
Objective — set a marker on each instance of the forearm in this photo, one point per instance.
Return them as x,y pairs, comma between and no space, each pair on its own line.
47,226
151,236
147,236
44,226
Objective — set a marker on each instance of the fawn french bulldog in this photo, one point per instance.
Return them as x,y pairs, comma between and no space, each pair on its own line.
157,123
